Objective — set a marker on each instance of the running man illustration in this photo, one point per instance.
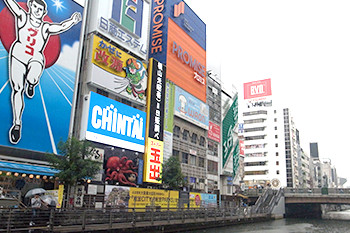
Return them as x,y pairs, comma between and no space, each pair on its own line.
26,59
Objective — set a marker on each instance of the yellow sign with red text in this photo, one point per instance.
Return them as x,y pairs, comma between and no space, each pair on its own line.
153,161
109,57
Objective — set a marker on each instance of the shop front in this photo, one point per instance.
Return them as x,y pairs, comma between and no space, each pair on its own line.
16,179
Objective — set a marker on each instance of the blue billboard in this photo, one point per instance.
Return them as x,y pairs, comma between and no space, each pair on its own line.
38,61
191,109
113,123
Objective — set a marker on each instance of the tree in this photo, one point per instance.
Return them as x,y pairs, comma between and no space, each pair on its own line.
73,162
172,176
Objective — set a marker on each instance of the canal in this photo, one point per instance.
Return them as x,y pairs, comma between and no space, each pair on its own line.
285,226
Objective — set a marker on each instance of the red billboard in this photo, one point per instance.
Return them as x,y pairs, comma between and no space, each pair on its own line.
257,89
214,132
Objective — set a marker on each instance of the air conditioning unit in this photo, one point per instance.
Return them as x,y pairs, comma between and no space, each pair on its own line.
201,186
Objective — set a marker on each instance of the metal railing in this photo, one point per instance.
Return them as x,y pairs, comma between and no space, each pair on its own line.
51,220
317,191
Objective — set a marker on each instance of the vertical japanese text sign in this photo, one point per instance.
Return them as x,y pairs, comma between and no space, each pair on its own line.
155,121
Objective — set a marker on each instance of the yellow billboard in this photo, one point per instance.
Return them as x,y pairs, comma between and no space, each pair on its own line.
117,71
195,200
143,198
140,198
153,161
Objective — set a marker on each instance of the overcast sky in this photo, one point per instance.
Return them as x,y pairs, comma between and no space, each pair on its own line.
303,46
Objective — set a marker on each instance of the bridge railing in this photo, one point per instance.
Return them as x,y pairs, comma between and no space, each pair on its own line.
317,191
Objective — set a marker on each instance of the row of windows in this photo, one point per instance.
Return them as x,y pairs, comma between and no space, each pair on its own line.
255,155
254,138
252,113
252,164
252,173
186,135
255,146
254,121
187,158
254,129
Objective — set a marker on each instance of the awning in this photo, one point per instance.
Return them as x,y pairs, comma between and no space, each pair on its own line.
28,169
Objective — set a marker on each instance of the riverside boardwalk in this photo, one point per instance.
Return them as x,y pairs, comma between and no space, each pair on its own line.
126,220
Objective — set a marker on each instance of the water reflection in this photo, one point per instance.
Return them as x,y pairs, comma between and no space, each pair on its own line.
286,226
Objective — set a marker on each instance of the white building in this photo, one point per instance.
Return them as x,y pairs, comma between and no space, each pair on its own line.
265,160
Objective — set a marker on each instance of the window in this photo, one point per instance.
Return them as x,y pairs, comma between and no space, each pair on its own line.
193,160
275,127
185,135
277,154
276,136
277,163
194,138
200,162
176,131
275,119
176,153
278,172
202,141
212,148
276,145
184,157
212,167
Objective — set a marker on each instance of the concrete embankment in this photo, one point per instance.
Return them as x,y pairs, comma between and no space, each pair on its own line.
337,215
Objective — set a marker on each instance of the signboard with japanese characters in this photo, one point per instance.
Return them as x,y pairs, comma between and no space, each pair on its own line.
155,121
123,21
115,70
153,161
156,95
39,53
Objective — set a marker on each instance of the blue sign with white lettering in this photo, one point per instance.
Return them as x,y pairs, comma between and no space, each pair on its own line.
113,123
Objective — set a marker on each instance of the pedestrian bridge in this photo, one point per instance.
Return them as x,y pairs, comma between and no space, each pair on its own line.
317,196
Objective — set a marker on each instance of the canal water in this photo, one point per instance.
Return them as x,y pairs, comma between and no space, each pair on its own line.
285,226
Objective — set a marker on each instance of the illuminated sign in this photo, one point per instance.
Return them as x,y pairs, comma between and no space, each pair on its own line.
257,89
156,99
179,9
155,121
153,161
188,59
157,28
123,21
191,109
38,72
178,40
128,13
214,132
114,123
117,71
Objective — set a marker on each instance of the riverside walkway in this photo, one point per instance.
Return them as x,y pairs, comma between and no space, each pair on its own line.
126,220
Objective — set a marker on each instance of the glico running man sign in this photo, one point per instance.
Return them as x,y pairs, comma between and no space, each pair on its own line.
39,50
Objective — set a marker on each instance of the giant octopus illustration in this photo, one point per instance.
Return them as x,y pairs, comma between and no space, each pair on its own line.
121,170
